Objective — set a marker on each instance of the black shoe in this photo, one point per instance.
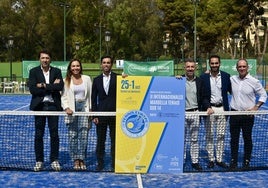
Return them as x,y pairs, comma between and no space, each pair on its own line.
221,164
112,167
246,164
210,164
233,165
99,167
197,167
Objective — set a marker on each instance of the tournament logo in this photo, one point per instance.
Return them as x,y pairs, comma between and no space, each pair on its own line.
135,124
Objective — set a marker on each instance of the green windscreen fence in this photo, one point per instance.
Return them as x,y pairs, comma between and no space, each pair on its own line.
149,68
229,65
28,65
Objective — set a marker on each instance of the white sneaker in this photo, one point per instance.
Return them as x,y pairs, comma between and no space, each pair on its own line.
38,166
55,165
83,167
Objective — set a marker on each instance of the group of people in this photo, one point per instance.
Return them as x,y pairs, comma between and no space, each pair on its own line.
209,93
75,93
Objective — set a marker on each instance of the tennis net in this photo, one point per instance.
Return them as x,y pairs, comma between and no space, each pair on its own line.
17,142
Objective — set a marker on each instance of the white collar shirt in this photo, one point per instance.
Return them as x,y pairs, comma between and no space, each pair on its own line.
245,91
47,98
106,82
215,85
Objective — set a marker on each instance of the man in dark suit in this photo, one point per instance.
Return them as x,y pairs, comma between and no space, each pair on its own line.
45,84
104,99
217,84
196,100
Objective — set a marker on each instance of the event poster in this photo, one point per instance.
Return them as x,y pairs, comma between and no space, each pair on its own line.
150,124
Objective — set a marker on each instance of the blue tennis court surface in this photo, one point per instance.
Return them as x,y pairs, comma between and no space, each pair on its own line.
92,179
15,102
251,179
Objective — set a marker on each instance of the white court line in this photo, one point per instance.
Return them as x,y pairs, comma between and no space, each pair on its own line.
139,180
21,107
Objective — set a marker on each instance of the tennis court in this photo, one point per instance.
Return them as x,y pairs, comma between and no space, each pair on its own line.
26,178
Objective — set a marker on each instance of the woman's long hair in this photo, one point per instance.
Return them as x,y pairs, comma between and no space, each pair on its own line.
69,72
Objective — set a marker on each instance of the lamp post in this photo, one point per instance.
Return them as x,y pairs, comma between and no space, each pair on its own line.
166,39
64,5
107,40
165,46
243,45
100,26
236,40
100,39
195,2
77,46
183,44
10,45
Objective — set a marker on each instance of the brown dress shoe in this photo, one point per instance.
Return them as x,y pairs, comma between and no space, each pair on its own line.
221,164
197,166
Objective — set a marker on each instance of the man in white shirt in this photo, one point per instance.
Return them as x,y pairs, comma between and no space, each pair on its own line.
218,86
45,85
104,100
245,88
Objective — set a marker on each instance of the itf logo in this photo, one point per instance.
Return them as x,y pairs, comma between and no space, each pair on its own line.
135,124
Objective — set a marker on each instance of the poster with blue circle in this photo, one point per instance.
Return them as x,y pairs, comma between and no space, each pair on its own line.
150,124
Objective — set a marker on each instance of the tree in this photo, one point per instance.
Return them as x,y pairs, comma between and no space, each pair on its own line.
178,25
136,28
259,29
217,22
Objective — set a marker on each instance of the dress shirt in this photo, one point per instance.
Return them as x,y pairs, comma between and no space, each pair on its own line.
191,98
106,82
244,92
215,84
47,98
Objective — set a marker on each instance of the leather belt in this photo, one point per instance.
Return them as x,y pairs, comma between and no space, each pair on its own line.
48,103
216,104
191,110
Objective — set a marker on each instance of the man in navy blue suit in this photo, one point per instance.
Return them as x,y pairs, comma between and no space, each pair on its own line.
45,84
104,99
196,99
217,84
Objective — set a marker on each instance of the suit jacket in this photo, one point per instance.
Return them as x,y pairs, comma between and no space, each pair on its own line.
226,87
203,99
68,100
100,100
36,76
